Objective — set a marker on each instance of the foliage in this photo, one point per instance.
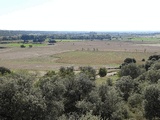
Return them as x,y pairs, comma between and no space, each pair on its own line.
154,57
4,70
135,100
129,60
152,102
64,72
68,96
125,86
156,66
152,76
30,46
76,90
102,72
19,100
50,73
52,91
148,64
131,69
89,71
110,106
22,46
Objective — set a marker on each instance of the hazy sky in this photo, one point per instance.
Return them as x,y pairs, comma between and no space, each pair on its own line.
80,15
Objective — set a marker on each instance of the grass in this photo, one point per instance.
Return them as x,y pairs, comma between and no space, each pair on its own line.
67,40
146,39
101,80
26,44
112,58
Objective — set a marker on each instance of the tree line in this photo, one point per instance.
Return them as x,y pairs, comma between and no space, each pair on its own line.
66,95
71,36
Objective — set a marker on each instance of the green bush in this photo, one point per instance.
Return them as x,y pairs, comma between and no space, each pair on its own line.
4,70
131,69
89,71
30,46
102,72
22,46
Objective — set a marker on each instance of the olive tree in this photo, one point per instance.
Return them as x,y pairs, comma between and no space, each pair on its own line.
19,100
152,102
131,69
89,71
125,86
52,89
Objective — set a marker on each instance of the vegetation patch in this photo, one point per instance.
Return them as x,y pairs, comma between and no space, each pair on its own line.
26,44
99,57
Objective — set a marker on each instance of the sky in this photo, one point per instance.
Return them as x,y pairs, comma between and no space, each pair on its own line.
80,15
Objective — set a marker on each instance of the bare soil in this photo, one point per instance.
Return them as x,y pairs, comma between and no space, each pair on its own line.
40,58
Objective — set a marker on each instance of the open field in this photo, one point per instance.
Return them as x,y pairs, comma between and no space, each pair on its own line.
26,44
112,58
146,39
74,53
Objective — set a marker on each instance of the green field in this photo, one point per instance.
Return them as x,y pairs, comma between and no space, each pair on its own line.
146,39
112,58
67,40
26,44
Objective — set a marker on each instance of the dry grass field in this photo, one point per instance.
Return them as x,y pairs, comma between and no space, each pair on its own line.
76,53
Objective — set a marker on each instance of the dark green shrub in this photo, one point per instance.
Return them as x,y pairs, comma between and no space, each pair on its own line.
129,60
89,71
64,72
143,60
4,70
156,57
152,102
131,69
102,72
135,100
22,46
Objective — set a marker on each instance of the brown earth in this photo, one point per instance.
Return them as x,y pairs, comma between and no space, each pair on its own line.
40,58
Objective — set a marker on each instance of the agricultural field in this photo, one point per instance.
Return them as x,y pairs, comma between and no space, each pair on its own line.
74,53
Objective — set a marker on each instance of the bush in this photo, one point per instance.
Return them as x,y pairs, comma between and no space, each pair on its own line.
89,71
135,100
22,46
156,57
131,69
50,73
125,87
152,102
65,72
143,60
102,72
30,46
129,60
4,70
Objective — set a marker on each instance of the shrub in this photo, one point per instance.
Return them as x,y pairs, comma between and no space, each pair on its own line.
135,100
152,102
156,57
102,72
50,73
143,60
129,60
4,70
64,72
22,46
89,71
131,69
30,46
125,87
